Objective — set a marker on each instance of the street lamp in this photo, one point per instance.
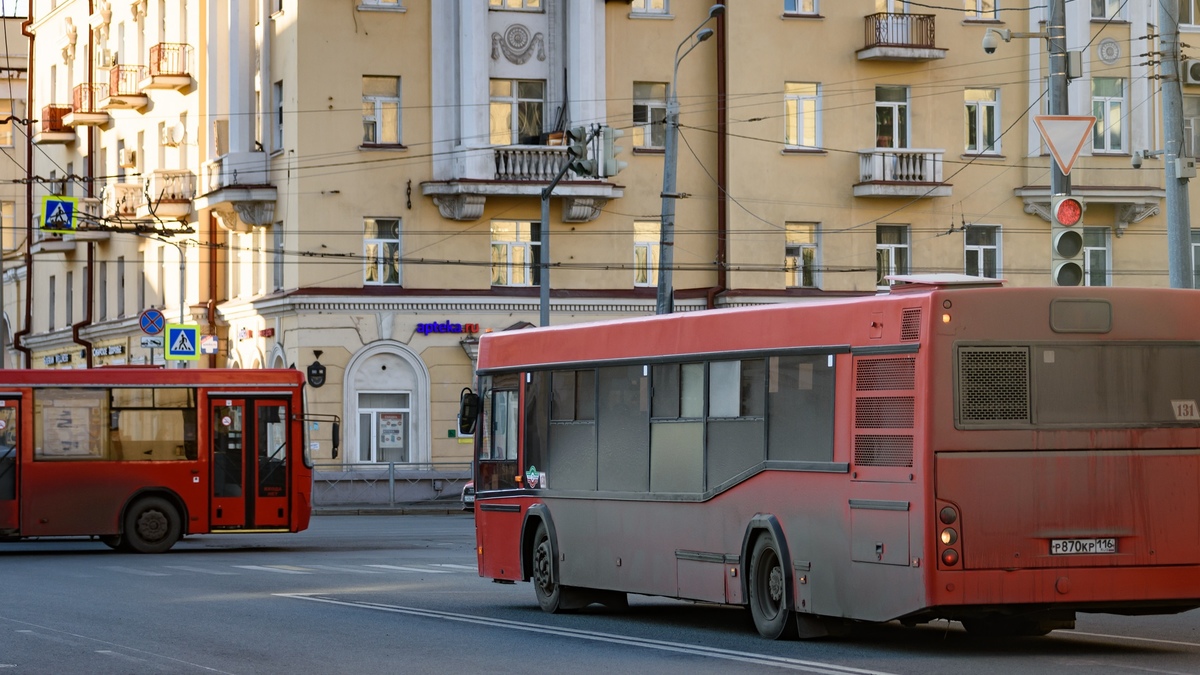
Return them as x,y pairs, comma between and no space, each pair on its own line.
666,242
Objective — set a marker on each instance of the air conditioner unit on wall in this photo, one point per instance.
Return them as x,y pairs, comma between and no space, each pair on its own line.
106,58
1191,71
127,158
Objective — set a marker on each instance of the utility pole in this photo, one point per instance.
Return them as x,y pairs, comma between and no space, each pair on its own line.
1179,261
1060,183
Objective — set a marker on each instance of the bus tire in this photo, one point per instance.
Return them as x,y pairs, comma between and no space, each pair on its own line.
114,541
152,525
552,596
767,590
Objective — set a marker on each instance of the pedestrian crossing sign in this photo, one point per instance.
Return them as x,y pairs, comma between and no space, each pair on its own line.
58,214
182,343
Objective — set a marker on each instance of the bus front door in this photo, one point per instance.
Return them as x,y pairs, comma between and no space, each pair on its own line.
10,416
249,464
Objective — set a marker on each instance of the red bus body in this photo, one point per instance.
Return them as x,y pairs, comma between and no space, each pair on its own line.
1006,457
104,452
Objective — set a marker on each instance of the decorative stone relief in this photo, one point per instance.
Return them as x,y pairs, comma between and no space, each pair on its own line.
517,44
582,209
460,207
1130,214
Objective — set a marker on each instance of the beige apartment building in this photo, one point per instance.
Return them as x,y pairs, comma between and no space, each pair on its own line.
356,185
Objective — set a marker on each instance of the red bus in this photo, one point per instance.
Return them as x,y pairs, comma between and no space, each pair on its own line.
953,449
140,457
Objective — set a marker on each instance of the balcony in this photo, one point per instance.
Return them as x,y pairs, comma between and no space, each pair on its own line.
88,221
518,170
237,187
51,127
900,37
85,110
122,200
171,194
901,172
170,67
124,90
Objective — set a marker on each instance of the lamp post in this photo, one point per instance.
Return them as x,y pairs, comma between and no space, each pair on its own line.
666,241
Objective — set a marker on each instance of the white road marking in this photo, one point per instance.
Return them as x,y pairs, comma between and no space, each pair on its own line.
410,569
201,570
1069,633
457,567
102,642
267,568
344,568
660,645
131,570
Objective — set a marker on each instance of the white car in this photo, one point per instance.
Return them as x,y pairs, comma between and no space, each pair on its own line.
468,496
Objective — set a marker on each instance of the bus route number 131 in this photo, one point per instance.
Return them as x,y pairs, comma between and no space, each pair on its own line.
1185,410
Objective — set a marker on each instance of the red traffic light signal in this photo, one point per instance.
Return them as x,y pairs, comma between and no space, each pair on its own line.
1067,211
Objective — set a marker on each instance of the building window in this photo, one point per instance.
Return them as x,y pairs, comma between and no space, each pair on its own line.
381,110
649,114
1195,258
891,117
6,128
1109,9
8,227
799,6
121,286
891,252
1191,125
277,132
515,249
646,237
983,251
1096,270
649,7
1108,106
52,302
389,4
980,10
1189,12
516,111
381,249
384,427
103,290
983,118
277,262
802,127
71,297
800,258
141,281
515,4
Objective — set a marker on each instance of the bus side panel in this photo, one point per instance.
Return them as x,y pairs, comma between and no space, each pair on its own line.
498,538
87,497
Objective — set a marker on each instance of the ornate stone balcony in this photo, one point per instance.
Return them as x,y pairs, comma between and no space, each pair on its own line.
237,187
171,193
900,172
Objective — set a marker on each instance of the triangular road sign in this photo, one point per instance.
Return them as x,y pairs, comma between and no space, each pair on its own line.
1065,134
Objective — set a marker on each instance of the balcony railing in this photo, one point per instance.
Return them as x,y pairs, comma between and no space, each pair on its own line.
897,172
533,163
123,200
86,97
900,30
124,80
170,58
171,185
52,119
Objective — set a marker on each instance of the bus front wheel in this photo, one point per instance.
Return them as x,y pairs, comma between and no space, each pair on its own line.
152,525
767,590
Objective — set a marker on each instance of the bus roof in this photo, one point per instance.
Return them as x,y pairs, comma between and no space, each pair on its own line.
150,377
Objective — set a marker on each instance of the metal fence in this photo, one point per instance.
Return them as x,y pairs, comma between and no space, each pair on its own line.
388,483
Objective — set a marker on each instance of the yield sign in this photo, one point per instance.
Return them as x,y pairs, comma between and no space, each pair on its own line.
1065,134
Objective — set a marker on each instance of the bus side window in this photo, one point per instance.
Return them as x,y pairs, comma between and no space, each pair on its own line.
800,408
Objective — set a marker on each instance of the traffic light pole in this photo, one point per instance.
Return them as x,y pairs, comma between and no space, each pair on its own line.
1179,262
1060,183
572,162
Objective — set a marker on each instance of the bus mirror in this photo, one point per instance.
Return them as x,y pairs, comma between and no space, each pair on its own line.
337,438
468,411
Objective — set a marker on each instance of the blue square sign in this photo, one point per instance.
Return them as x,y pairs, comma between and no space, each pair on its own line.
182,343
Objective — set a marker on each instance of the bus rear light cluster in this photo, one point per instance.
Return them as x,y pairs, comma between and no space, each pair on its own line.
948,515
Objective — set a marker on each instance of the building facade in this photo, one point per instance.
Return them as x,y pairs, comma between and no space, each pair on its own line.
356,188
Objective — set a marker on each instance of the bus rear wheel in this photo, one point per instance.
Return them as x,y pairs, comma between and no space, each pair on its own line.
768,603
152,525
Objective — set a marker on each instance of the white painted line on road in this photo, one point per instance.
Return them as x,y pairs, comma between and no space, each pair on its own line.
130,570
201,570
399,568
1069,633
345,568
457,567
103,642
660,645
266,568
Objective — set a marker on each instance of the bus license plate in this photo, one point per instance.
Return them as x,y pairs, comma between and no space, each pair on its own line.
1082,546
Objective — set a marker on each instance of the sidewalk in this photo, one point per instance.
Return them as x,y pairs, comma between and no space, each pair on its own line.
440,508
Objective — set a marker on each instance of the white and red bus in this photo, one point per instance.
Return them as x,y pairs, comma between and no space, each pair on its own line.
1002,457
140,457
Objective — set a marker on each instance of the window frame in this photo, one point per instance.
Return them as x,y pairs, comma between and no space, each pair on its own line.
372,453
892,266
795,268
506,5
1103,120
1109,10
976,11
514,102
796,118
372,257
647,8
1089,250
277,118
648,265
976,111
798,7
644,129
378,116
980,250
901,117
531,246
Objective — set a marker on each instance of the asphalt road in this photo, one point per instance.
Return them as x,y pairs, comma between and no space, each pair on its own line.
399,594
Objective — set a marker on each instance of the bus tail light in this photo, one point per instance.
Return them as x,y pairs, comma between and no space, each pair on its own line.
949,557
948,536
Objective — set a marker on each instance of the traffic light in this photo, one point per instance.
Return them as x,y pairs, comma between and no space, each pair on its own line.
577,151
610,165
1066,240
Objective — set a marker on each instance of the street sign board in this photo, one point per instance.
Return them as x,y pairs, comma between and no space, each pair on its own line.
209,344
58,214
152,321
1065,136
152,342
182,343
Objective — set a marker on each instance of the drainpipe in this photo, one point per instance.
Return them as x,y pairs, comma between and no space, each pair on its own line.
212,283
88,302
722,152
19,335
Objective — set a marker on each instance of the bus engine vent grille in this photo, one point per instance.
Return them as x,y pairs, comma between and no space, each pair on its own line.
884,412
885,374
883,450
910,324
993,384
